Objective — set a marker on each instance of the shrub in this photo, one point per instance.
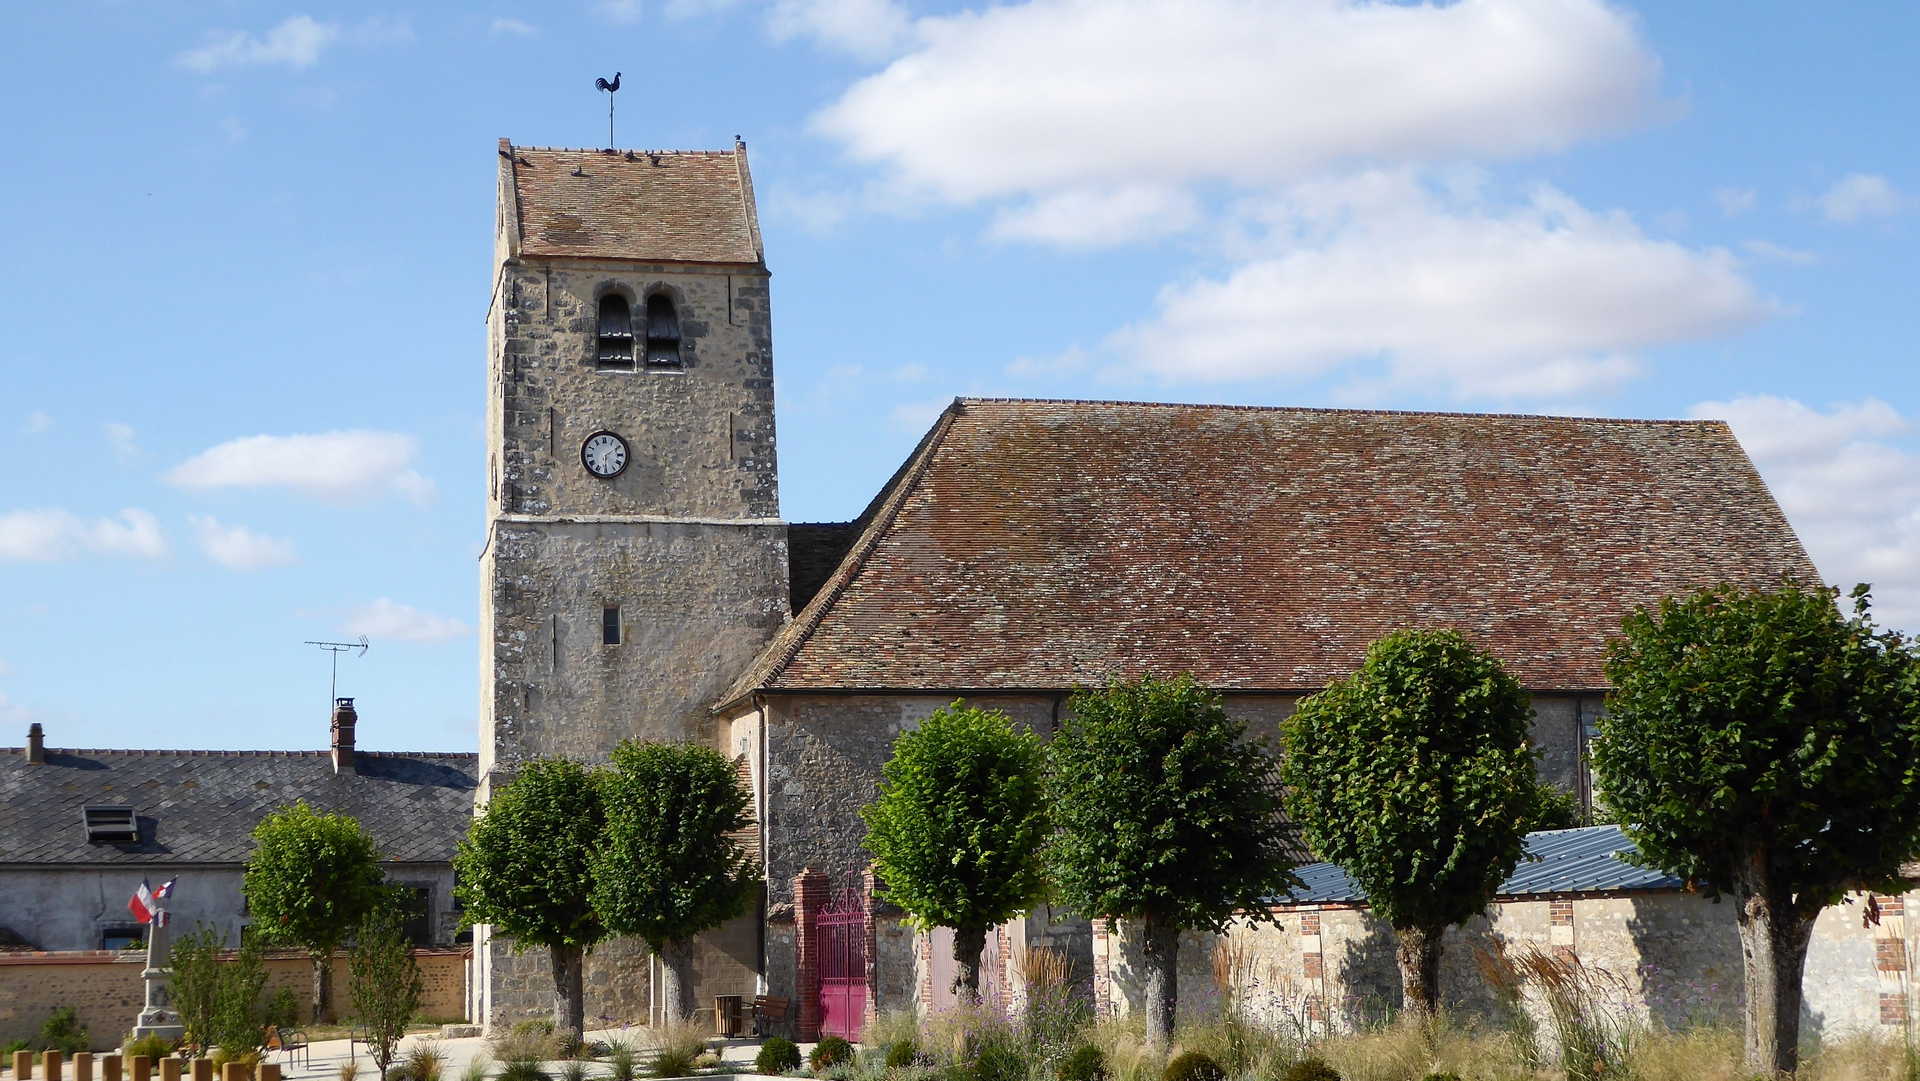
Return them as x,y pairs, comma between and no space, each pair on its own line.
282,1009
523,1071
622,1059
63,1032
900,1054
423,1062
478,1065
1194,1066
1448,1076
153,1047
830,1051
997,1057
1311,1069
677,1045
574,1070
1085,1064
777,1056
11,1046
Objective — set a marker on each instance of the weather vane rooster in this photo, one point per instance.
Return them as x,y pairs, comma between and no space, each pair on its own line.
611,88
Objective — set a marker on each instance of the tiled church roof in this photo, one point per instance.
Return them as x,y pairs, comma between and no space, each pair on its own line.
202,806
1043,544
652,206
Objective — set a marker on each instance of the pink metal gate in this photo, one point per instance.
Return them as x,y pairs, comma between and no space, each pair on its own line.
841,929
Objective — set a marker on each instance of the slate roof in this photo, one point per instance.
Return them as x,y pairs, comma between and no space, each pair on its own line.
201,806
1589,860
679,206
1043,544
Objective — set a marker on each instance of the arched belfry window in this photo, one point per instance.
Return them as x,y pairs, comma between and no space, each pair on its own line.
616,332
663,331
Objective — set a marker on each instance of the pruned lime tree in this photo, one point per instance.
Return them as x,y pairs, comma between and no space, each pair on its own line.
957,829
1766,747
1166,814
312,878
525,867
1415,776
668,868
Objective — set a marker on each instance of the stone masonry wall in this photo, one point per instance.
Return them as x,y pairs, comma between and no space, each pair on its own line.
106,991
618,979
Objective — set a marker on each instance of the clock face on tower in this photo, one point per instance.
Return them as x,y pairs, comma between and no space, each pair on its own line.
604,454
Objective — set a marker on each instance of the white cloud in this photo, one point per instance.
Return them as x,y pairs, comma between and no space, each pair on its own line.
296,43
1861,196
1078,95
1736,201
619,11
1545,299
390,620
1095,217
870,29
38,422
504,25
338,466
120,438
1766,251
1853,498
50,533
239,548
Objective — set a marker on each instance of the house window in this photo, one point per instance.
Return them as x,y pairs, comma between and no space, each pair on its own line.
616,333
123,938
663,332
610,626
417,906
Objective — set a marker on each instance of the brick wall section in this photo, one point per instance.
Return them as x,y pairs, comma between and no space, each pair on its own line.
809,897
106,991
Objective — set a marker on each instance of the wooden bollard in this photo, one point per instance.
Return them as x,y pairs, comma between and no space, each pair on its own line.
22,1065
141,1068
110,1067
50,1060
269,1071
202,1071
83,1066
170,1068
235,1071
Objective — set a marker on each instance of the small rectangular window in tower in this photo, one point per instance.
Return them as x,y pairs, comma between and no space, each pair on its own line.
610,625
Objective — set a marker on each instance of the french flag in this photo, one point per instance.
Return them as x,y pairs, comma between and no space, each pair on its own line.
146,901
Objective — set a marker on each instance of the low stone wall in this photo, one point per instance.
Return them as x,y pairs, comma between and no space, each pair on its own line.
106,992
618,977
1669,957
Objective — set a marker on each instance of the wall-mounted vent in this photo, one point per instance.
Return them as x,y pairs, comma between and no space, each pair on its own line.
110,825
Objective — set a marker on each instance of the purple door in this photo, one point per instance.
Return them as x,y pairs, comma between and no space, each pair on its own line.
842,930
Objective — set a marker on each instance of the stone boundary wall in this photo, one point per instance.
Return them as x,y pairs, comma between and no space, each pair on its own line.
106,991
1664,956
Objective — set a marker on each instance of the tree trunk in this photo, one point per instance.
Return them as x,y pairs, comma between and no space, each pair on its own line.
968,944
322,987
1773,943
569,993
676,979
1162,949
1418,951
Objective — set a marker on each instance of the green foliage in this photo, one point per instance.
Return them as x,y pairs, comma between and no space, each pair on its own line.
667,869
424,1061
830,1051
11,1046
63,1032
997,1056
1194,1066
900,1054
1311,1069
282,1009
1163,808
1750,728
1414,775
525,864
1085,1064
154,1047
194,987
311,880
622,1059
777,1056
523,1071
1558,809
236,1025
961,816
384,983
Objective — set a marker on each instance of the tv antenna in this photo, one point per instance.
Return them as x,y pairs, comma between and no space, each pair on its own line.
337,648
611,88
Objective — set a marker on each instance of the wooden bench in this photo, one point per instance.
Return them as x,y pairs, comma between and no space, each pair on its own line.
767,1012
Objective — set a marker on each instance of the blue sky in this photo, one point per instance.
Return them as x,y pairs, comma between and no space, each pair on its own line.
250,246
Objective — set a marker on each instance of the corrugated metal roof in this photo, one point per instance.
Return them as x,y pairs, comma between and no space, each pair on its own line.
1588,860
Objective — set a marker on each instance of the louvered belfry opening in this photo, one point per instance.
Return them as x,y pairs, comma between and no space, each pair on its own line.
110,825
663,332
616,332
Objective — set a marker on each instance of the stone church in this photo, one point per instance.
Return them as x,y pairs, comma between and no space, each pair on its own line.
638,579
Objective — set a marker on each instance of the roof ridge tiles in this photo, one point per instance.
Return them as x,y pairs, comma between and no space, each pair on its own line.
193,753
966,400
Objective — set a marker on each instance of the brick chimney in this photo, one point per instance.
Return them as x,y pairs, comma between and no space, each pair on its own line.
343,721
36,744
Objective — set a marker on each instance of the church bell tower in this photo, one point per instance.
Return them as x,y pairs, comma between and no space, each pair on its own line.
635,560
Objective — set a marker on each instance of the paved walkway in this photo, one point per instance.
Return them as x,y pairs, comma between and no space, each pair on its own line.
325,1057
